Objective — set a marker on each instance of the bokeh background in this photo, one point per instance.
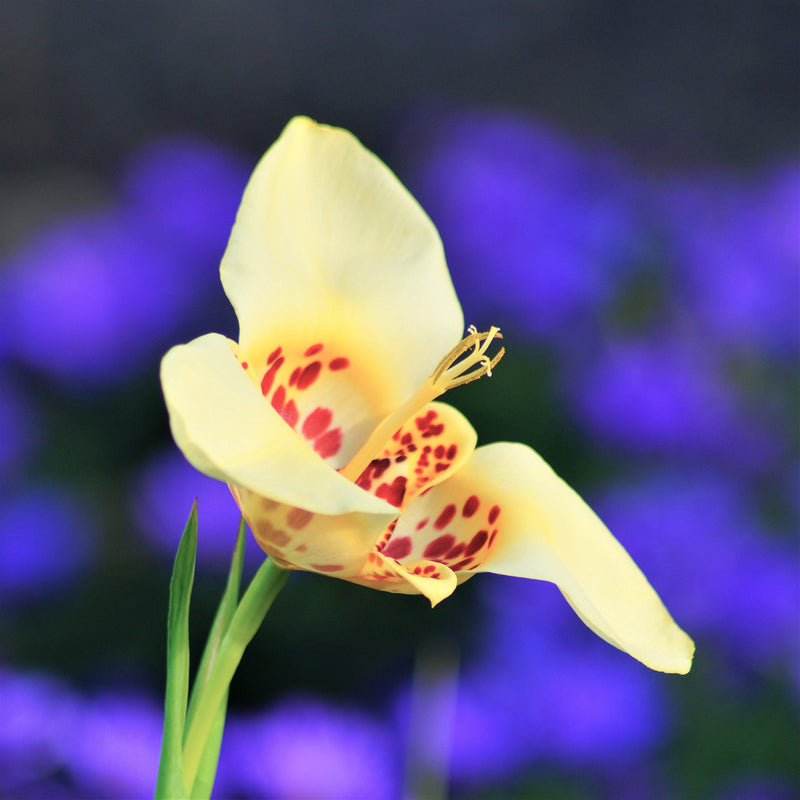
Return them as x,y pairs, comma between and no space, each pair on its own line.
616,185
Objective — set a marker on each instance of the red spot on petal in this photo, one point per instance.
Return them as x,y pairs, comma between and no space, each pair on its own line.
298,518
398,548
379,466
316,422
439,451
274,354
444,519
429,568
245,365
279,538
477,541
327,567
451,452
407,438
455,552
441,467
461,564
329,443
418,570
301,548
393,493
438,547
422,523
491,538
433,430
401,458
471,506
424,422
339,363
313,350
295,375
494,512
309,375
269,376
290,413
279,398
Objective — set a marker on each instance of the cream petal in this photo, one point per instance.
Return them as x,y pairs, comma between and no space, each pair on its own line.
423,452
328,246
506,511
228,430
433,580
336,545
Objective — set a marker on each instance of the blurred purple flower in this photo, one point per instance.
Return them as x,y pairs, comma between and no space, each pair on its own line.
36,723
664,395
161,498
92,298
703,548
113,748
304,748
46,541
531,224
737,247
186,191
547,692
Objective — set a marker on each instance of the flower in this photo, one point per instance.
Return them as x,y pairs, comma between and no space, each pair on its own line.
322,417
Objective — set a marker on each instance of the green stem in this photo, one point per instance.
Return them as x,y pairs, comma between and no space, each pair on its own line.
247,618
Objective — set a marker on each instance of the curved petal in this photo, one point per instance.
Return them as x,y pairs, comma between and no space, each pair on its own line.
506,511
228,430
329,247
433,580
425,451
337,545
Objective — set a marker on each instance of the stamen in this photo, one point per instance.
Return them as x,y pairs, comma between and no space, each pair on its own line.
457,368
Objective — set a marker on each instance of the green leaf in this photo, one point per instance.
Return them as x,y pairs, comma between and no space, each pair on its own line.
170,783
207,768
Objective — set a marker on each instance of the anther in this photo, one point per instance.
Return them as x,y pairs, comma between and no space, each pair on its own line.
458,367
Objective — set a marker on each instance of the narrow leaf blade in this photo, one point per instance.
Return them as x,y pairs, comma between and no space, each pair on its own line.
170,782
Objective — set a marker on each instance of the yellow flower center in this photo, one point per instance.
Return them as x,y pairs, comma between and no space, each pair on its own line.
466,362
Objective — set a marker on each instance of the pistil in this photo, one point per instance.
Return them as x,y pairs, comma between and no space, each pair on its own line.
465,363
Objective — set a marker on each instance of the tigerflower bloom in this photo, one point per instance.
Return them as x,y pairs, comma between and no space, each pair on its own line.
322,418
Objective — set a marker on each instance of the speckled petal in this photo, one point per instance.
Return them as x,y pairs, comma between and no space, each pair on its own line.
506,511
433,580
227,429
